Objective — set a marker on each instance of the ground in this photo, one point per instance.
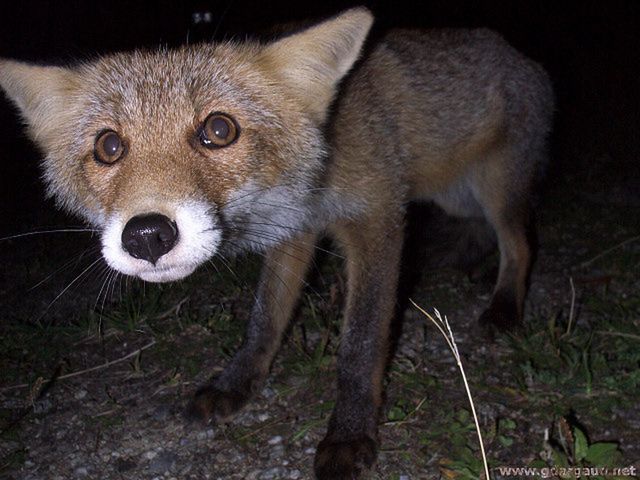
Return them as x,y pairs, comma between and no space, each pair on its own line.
126,358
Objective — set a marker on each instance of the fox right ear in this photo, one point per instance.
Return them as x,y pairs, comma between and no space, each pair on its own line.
312,62
42,95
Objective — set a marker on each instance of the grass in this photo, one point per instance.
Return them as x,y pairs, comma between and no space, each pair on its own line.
597,360
444,328
587,368
453,433
591,369
318,413
568,447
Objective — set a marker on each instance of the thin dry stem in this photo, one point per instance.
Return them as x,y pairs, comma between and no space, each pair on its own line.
573,303
586,263
87,370
442,324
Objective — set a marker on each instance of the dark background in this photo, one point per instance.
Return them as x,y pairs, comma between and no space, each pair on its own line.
591,49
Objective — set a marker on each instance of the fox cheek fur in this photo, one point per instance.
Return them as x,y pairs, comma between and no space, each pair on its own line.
457,117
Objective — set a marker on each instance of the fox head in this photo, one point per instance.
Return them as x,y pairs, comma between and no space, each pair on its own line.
176,155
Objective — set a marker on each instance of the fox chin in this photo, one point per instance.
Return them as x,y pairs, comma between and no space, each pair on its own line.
214,149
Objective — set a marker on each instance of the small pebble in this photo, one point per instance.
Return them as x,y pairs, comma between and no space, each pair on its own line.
81,471
162,413
150,455
164,462
273,473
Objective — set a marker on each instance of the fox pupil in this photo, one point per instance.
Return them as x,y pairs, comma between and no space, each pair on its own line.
220,128
108,148
111,144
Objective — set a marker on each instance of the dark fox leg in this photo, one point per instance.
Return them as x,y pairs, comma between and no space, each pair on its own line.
507,303
280,284
504,198
373,258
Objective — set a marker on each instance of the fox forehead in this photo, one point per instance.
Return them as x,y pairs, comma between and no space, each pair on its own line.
157,101
176,87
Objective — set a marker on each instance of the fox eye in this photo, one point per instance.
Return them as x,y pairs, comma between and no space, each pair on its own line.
218,130
108,148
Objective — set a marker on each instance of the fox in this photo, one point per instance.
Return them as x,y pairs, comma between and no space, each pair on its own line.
178,155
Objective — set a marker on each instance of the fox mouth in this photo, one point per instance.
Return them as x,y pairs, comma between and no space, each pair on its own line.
166,274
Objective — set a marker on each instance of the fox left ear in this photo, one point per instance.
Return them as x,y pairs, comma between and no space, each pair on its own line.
312,62
42,95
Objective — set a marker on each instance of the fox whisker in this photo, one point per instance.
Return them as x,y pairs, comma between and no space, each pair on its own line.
46,232
69,285
75,260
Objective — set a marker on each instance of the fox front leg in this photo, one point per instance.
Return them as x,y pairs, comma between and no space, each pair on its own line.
373,258
280,284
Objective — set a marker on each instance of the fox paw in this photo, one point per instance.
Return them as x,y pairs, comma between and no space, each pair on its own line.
212,405
344,460
501,316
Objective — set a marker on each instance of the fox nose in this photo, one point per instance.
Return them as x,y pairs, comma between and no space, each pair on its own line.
150,236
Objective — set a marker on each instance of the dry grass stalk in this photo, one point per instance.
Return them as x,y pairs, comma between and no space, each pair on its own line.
442,324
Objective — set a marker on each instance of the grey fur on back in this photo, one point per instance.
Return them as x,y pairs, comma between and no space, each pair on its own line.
437,97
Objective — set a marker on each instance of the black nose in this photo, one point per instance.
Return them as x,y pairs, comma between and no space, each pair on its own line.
149,236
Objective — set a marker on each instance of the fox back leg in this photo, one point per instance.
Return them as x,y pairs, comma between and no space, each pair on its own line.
505,198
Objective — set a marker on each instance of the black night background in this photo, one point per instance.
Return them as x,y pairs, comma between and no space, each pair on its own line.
576,363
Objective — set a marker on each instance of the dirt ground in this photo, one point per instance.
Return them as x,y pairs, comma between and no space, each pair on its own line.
126,359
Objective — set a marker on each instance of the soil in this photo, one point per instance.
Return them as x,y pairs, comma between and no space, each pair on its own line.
114,409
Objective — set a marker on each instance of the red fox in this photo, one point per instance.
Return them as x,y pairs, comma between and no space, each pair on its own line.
179,155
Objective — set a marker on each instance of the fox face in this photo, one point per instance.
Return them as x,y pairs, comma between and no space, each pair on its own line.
177,155
184,162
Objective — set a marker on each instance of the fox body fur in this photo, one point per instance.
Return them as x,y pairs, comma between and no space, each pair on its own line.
179,155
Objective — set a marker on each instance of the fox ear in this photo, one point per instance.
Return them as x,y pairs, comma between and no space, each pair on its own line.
312,62
41,94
